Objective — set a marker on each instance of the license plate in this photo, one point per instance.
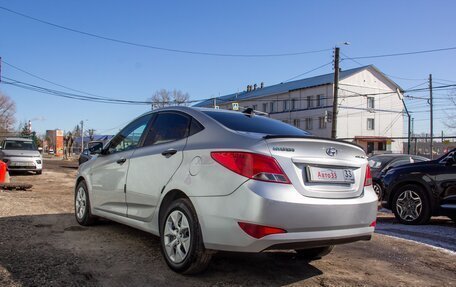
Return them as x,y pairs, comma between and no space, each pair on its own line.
332,175
21,164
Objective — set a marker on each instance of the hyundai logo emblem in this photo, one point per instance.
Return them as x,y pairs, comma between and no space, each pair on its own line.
331,151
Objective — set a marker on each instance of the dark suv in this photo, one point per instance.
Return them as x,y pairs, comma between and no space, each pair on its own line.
415,192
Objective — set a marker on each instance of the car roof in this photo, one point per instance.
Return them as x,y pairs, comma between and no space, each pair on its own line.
18,139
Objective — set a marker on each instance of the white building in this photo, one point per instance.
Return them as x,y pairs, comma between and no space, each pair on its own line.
370,109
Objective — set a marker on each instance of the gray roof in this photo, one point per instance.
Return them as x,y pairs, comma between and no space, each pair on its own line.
18,139
289,86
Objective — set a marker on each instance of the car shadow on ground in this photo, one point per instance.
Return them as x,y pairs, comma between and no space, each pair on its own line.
442,220
21,173
54,250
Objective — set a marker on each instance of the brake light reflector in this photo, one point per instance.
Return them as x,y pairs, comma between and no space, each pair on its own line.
368,180
252,165
259,231
373,224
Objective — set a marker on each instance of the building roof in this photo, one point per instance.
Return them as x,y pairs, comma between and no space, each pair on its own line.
290,86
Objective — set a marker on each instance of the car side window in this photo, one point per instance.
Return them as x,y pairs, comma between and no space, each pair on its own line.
130,136
167,127
195,127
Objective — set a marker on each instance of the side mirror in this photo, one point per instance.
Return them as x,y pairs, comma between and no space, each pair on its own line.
96,149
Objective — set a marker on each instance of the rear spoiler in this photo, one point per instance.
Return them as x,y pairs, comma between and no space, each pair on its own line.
309,137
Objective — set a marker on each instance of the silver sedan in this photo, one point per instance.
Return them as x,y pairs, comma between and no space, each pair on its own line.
206,180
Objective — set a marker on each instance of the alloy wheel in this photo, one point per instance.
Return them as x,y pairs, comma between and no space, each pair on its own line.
81,203
378,191
409,205
177,236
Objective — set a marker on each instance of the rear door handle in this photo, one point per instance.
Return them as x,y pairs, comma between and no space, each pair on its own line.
121,160
168,153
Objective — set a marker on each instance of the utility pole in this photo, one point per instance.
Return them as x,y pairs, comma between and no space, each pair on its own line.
82,136
335,93
432,119
409,127
413,126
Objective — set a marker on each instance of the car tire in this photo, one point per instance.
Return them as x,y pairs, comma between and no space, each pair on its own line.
314,253
378,191
38,172
82,209
411,206
181,240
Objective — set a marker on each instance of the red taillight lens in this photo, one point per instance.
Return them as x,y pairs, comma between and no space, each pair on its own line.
368,180
259,231
373,224
252,165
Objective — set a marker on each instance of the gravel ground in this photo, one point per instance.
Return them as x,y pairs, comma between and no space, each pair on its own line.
42,245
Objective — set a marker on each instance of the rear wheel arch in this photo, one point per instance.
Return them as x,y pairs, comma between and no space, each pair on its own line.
170,196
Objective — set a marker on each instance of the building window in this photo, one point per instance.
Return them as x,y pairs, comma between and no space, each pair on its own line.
297,123
271,107
370,102
322,122
293,104
285,105
254,107
265,107
370,124
320,100
309,102
309,123
285,121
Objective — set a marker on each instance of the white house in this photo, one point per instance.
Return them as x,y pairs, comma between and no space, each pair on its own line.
370,109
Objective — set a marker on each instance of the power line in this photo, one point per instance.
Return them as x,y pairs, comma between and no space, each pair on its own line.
63,94
389,75
48,81
310,71
402,54
125,42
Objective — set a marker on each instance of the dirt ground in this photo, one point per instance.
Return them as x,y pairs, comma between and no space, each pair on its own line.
42,245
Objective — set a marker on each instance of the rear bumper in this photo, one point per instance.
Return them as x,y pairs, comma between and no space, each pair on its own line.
309,222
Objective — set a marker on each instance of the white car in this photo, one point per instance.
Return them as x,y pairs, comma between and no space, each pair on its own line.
21,154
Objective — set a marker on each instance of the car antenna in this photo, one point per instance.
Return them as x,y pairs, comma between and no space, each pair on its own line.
249,112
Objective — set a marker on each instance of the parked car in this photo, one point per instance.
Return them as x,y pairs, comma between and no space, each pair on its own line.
380,164
415,192
21,154
206,179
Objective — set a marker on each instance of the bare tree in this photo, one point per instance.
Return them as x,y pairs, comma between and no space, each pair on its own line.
165,98
7,112
180,98
451,121
160,99
91,134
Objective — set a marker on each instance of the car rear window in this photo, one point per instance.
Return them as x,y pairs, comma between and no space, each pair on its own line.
254,124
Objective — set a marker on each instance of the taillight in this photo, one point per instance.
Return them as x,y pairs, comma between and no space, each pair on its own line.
368,180
252,165
259,231
373,224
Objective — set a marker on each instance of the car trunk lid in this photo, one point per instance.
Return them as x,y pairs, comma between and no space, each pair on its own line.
319,167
